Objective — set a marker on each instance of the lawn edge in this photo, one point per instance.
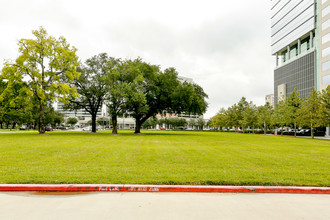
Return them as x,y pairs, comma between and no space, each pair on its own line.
161,188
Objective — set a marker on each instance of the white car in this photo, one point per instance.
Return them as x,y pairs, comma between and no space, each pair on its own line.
88,128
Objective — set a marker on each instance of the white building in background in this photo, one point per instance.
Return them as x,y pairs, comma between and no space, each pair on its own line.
270,99
81,114
77,113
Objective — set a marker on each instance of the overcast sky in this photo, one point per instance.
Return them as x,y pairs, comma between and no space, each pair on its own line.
224,46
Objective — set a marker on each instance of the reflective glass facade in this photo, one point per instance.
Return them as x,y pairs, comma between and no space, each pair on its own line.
289,21
296,74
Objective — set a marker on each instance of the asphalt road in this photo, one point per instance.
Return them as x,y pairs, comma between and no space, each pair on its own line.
138,205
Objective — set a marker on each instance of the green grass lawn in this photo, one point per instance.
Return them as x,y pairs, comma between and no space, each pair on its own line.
163,157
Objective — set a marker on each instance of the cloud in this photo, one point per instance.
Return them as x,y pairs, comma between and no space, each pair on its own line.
224,46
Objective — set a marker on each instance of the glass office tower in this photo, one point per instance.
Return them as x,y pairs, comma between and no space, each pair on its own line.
300,40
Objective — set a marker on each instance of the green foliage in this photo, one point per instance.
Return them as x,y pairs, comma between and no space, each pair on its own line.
52,117
325,113
264,114
92,85
150,123
280,116
15,102
249,116
189,98
103,121
118,89
310,113
135,72
47,62
220,120
72,121
233,116
294,104
174,122
153,91
200,123
191,122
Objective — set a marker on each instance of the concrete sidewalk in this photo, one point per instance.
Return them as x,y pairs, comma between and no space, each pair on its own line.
140,205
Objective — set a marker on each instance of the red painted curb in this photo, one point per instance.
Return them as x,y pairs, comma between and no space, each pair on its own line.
161,188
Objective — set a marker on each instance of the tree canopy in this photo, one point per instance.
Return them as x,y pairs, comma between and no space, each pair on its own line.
91,85
154,91
48,63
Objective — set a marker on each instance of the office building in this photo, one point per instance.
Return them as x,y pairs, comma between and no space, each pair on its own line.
270,99
75,113
300,40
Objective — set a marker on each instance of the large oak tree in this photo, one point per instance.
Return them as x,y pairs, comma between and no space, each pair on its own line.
154,91
92,86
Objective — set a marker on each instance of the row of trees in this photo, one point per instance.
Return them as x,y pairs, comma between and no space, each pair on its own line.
174,122
313,111
48,70
133,86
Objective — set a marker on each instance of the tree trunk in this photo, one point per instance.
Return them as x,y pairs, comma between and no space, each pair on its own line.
139,121
281,130
137,126
265,128
114,124
94,123
42,119
252,129
295,129
312,132
14,125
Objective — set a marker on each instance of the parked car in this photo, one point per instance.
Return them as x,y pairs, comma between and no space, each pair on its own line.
49,128
23,127
88,128
60,127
